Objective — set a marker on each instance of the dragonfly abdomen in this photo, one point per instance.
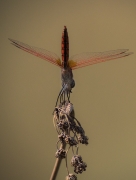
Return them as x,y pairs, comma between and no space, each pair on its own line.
65,48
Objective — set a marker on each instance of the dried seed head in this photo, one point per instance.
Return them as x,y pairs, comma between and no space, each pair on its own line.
79,165
76,160
70,140
80,168
61,153
71,177
63,124
83,139
62,137
69,108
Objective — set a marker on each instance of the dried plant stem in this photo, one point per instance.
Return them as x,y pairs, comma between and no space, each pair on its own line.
57,164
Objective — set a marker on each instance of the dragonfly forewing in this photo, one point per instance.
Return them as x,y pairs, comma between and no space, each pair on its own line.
41,53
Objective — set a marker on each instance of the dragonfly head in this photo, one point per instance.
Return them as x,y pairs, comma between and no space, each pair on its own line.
69,85
72,84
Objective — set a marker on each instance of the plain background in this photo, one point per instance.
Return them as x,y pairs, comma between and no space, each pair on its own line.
104,97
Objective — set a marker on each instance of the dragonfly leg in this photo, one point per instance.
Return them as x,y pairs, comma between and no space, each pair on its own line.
60,94
68,96
61,98
62,91
64,95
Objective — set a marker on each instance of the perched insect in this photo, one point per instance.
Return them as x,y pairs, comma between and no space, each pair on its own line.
76,61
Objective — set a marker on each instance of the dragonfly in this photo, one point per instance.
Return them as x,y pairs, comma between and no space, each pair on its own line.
67,64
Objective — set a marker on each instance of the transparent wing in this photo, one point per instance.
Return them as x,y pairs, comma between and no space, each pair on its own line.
41,53
86,59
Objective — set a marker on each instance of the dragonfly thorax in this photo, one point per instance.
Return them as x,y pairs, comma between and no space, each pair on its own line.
67,78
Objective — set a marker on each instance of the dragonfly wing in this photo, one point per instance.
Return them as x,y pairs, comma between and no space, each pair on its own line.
41,53
86,59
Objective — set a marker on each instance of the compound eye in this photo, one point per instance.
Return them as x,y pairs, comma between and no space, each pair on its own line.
73,84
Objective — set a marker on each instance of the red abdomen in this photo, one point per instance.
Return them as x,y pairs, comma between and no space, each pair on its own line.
65,48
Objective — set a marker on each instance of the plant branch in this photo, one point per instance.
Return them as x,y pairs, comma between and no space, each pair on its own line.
57,164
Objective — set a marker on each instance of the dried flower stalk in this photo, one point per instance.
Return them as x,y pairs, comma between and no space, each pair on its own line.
69,132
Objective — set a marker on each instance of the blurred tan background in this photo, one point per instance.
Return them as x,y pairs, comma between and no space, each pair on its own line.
104,97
